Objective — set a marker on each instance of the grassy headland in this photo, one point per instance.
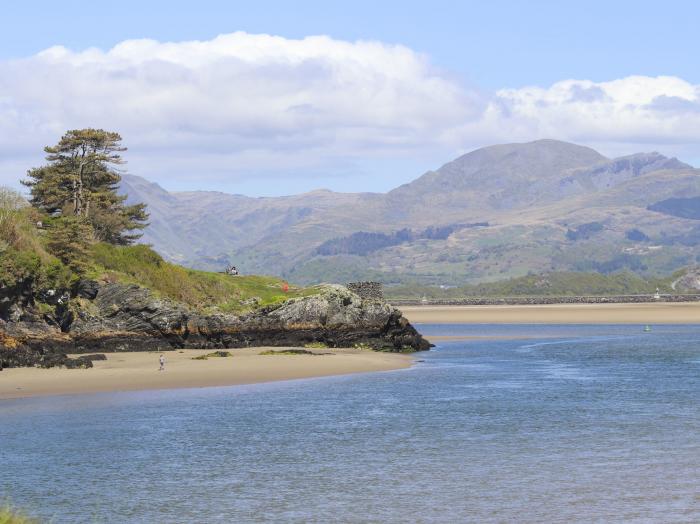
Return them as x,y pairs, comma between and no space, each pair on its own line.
26,263
200,290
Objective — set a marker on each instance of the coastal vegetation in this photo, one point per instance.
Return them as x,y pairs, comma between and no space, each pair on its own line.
11,515
215,354
77,188
201,290
76,226
287,352
316,345
29,259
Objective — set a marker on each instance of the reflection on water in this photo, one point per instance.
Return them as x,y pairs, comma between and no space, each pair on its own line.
599,423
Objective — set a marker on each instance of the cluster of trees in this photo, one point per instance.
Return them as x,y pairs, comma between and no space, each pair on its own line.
363,243
678,207
584,231
76,194
636,235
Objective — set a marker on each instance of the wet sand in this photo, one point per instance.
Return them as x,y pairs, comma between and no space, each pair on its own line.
138,371
651,313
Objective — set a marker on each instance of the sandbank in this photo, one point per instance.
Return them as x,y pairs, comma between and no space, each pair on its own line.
139,371
644,313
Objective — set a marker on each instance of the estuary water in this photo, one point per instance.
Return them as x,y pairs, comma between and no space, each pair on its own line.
547,424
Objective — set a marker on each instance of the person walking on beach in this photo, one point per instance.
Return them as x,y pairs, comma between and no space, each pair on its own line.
162,363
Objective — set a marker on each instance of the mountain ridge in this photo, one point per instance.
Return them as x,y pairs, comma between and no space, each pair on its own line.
530,194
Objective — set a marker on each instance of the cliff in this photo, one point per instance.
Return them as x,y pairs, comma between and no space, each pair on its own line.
112,317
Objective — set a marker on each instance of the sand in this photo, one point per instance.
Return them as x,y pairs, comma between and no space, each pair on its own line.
652,313
139,371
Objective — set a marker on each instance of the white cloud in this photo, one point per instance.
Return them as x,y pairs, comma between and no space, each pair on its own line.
659,111
243,103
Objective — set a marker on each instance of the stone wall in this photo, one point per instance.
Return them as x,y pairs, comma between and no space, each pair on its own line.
367,290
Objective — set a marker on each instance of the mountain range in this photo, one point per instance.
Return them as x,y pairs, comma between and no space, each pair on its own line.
498,212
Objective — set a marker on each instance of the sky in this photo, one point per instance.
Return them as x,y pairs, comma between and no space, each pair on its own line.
269,97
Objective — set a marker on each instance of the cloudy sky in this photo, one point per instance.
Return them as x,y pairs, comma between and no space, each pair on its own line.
270,98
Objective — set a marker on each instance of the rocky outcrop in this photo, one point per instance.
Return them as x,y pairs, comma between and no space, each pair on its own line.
118,317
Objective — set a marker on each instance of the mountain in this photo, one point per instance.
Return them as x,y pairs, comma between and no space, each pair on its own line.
498,212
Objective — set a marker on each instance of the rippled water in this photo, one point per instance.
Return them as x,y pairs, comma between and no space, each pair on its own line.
572,423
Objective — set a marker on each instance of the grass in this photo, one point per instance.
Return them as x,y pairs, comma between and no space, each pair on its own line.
10,515
215,354
316,345
287,352
24,258
18,224
201,290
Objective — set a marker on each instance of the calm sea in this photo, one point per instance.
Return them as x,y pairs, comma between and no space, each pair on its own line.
567,423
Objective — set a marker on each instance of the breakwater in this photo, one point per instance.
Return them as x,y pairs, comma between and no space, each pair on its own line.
525,301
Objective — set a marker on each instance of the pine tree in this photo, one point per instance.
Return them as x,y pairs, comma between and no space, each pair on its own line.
69,241
81,180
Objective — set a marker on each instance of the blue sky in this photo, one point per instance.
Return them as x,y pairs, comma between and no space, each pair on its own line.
475,49
493,44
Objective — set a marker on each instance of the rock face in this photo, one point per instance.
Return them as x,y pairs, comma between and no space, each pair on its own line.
118,317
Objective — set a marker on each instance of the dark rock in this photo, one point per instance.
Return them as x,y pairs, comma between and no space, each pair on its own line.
130,318
87,289
78,363
96,356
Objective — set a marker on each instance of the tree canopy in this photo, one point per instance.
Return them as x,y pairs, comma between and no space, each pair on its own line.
80,183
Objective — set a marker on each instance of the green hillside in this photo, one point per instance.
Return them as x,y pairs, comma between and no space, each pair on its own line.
549,284
26,263
201,290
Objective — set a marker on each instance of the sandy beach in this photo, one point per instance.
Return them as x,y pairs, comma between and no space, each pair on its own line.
139,371
651,313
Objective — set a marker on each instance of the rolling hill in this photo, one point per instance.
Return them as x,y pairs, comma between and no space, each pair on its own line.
499,212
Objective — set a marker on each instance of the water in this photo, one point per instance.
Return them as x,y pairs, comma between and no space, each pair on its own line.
594,424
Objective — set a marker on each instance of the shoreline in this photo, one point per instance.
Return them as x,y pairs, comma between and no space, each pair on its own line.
619,313
134,371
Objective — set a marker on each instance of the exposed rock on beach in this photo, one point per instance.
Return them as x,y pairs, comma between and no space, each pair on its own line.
111,317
